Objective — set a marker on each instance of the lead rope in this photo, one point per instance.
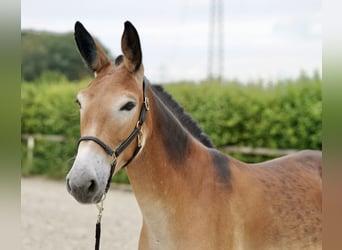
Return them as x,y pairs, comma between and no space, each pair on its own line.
98,223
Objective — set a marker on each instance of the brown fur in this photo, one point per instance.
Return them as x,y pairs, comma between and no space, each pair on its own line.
272,205
192,197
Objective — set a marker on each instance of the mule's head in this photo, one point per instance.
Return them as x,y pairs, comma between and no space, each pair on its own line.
109,110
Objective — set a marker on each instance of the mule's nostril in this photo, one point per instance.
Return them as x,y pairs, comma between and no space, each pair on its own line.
68,185
92,187
84,190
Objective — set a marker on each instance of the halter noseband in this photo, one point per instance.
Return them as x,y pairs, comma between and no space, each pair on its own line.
136,133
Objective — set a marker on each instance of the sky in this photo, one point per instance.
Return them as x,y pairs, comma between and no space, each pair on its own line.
263,39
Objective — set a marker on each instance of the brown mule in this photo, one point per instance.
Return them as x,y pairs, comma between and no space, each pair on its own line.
191,195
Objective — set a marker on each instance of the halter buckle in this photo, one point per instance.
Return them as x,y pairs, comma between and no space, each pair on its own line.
146,103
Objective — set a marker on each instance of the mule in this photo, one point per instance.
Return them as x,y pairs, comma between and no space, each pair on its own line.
191,195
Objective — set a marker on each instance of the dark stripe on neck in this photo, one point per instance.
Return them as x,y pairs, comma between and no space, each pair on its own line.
174,137
221,164
185,119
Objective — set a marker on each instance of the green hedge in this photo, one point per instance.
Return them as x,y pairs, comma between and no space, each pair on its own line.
286,115
283,115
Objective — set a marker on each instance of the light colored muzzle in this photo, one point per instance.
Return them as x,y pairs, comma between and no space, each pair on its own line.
87,179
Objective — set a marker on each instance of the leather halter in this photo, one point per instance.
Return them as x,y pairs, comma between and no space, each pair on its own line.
135,133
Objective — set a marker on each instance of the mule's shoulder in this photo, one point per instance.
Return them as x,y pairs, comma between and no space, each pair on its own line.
221,164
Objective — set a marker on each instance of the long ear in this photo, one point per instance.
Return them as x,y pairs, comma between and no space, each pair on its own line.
92,53
130,45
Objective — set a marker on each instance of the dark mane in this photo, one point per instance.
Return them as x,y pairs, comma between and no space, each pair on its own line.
185,119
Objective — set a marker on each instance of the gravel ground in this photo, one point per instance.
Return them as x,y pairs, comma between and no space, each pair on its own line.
53,219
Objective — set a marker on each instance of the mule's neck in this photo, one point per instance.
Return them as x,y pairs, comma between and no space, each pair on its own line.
175,179
168,155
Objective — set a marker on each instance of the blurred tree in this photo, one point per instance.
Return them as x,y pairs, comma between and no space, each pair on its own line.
52,52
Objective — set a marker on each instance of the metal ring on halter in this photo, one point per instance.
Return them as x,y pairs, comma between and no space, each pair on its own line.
139,125
114,159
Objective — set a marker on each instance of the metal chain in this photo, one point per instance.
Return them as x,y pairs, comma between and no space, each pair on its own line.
100,208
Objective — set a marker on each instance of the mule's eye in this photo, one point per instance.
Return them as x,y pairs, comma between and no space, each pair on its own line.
128,106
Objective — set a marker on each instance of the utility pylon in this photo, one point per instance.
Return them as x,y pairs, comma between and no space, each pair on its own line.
216,40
